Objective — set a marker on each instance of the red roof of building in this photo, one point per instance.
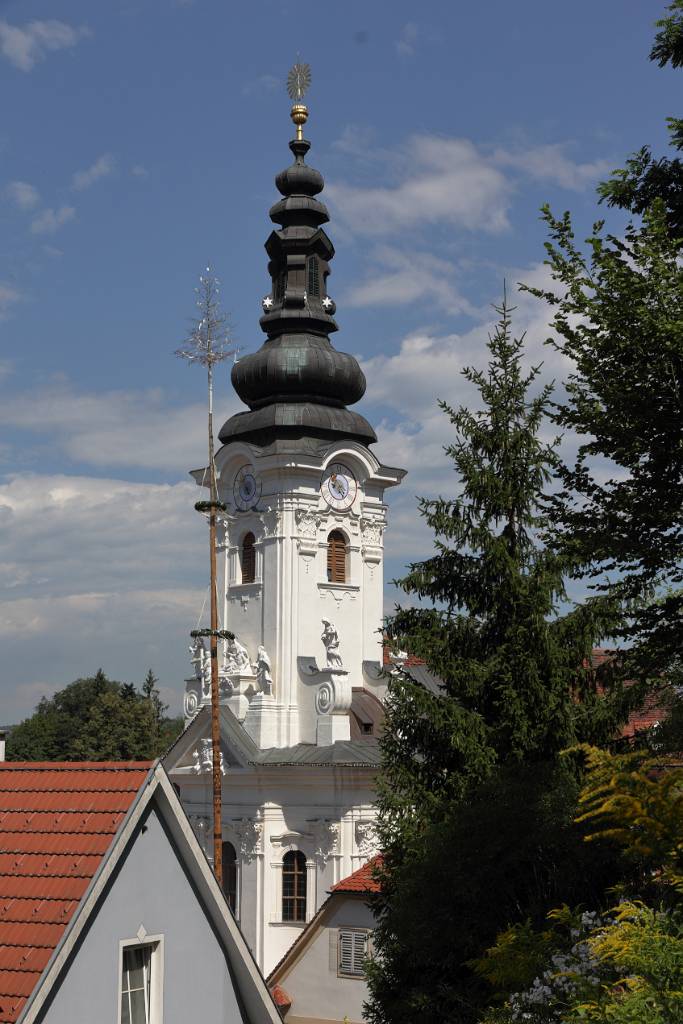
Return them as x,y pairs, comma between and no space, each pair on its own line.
57,820
361,880
281,998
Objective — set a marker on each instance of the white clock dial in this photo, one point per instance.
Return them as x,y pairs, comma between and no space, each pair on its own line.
246,488
339,487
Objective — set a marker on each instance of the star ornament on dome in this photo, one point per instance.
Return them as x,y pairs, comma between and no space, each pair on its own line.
327,302
267,303
298,81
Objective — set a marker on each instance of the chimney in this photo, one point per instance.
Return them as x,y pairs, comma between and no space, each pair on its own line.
3,737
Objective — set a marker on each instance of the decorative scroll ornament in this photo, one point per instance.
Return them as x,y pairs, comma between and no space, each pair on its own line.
191,700
203,758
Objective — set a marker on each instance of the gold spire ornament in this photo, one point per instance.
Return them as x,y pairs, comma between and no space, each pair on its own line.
298,82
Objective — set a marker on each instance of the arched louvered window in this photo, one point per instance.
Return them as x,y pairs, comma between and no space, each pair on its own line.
313,276
294,886
248,559
336,557
229,858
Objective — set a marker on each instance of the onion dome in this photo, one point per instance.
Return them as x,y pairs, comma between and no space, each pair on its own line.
297,384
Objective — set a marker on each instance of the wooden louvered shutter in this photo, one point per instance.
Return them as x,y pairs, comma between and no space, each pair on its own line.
352,952
336,557
248,559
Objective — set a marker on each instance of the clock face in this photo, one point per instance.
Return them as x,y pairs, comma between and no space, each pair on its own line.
339,487
246,489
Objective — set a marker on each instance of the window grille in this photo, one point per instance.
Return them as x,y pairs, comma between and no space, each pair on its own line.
136,985
229,858
294,886
248,559
313,276
352,952
336,557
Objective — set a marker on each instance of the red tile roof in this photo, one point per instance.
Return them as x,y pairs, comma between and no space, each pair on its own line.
57,820
361,880
281,998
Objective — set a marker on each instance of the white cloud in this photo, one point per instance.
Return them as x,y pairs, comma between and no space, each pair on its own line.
444,181
551,163
25,45
50,220
97,572
142,428
447,181
139,171
403,278
9,295
262,84
24,196
405,44
101,168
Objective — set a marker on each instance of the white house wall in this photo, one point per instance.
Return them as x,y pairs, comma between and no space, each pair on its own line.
327,814
313,981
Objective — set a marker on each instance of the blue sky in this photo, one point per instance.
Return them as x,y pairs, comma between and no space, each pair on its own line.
140,140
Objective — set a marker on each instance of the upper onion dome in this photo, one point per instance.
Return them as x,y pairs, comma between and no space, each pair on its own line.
298,384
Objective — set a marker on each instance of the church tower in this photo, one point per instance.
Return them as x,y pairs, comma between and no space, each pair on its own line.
301,581
302,538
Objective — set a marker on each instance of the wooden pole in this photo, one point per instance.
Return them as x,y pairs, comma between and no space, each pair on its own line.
215,719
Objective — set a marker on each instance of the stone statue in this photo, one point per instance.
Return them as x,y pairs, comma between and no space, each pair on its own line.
237,658
331,641
201,659
264,671
203,758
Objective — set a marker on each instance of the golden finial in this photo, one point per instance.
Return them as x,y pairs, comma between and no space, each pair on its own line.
298,81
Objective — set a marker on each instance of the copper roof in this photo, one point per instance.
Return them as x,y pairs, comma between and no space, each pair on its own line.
57,820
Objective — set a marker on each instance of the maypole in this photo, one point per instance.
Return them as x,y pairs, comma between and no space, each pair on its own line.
208,343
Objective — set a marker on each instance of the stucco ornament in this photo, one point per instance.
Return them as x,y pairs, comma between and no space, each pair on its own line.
371,531
203,758
264,674
366,839
237,660
191,700
326,839
307,522
248,834
201,661
330,640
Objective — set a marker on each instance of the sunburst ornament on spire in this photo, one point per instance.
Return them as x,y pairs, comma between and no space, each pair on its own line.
298,82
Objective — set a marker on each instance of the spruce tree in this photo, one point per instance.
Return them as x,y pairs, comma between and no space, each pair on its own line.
475,811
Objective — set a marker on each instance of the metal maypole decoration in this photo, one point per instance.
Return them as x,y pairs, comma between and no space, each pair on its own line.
208,343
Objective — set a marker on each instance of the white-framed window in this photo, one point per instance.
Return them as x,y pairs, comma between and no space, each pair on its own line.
353,946
141,981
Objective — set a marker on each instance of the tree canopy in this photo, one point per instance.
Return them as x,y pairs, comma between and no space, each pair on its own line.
96,719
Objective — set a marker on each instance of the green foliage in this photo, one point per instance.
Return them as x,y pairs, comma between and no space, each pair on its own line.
646,178
95,719
643,949
475,815
619,319
636,801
